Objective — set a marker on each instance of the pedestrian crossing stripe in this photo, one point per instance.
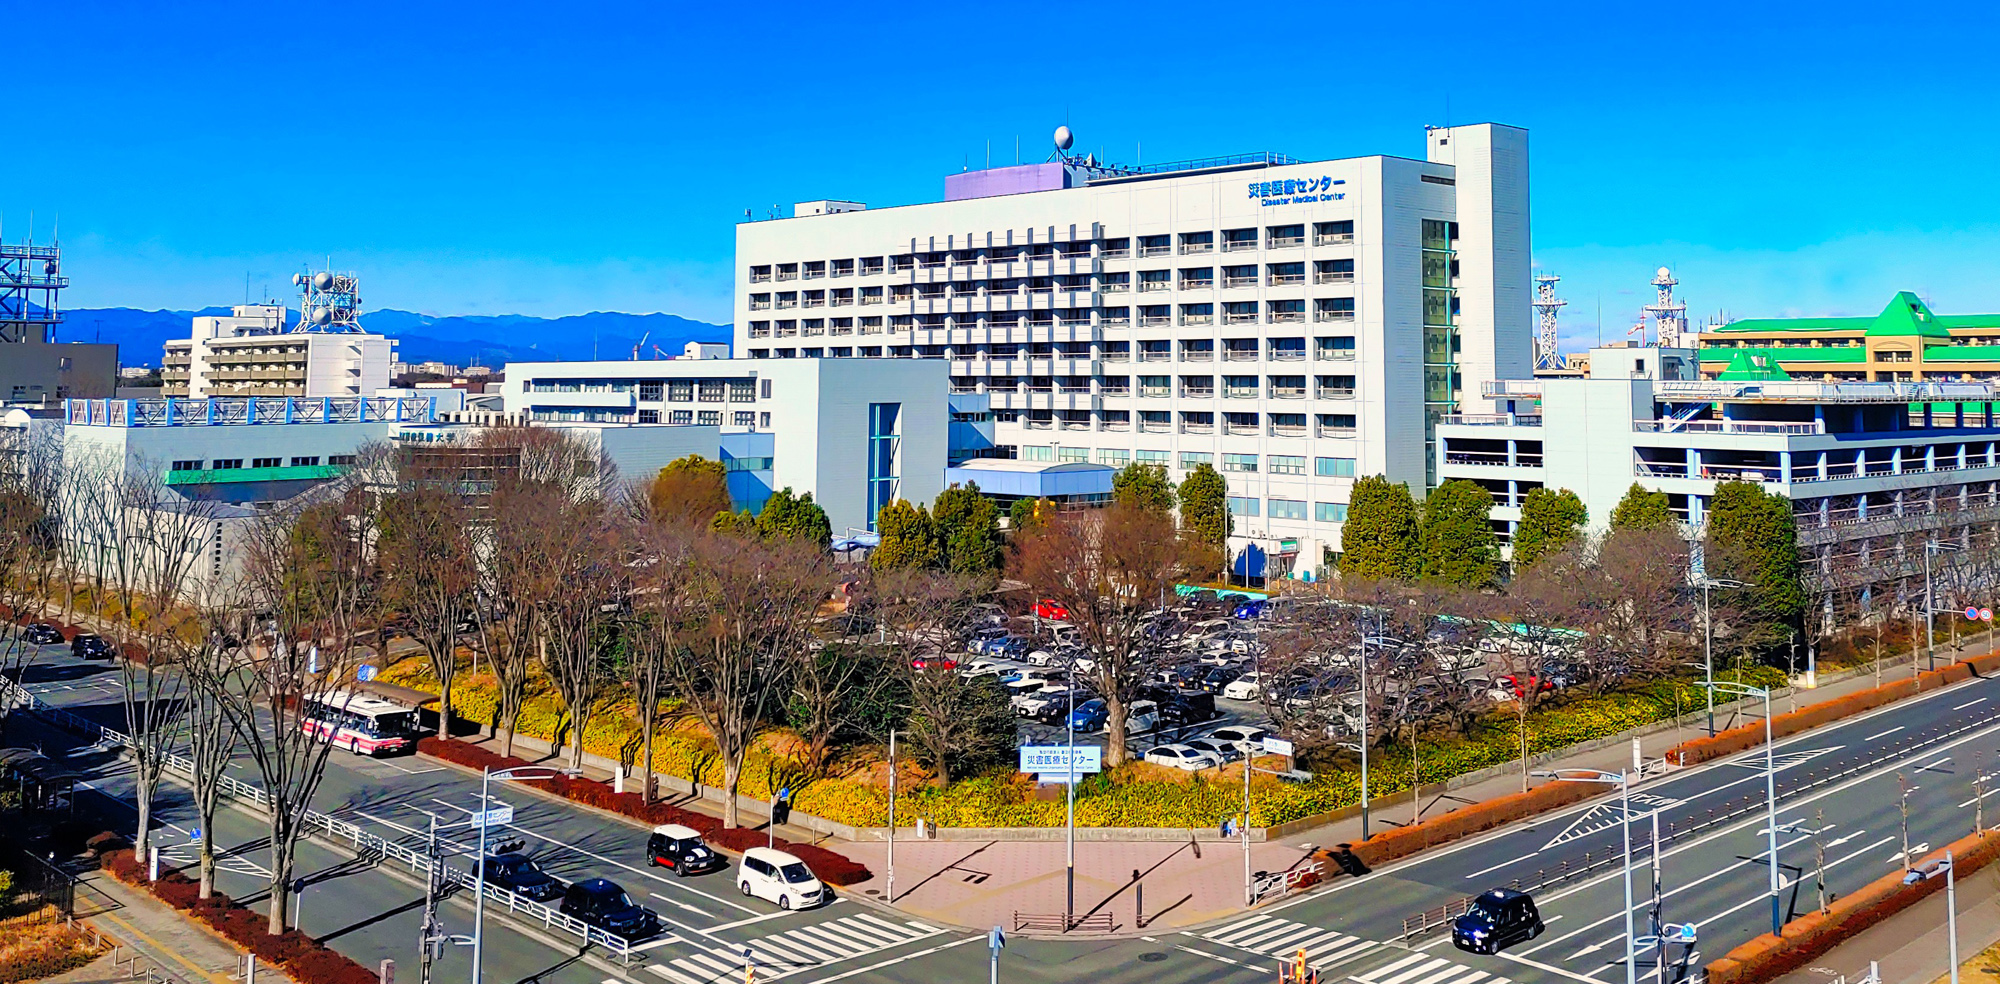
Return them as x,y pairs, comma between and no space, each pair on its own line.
803,948
1422,968
1283,939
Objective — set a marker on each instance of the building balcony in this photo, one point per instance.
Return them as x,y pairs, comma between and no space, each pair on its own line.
1287,317
1239,245
1197,428
1197,319
1073,425
1155,427
1287,279
1286,355
1115,426
1114,391
788,276
1240,393
1288,430
1337,431
1154,392
1239,281
1240,318
1340,277
1116,323
1196,249
1197,355
1335,355
1287,242
1208,284
1333,316
1334,393
1151,286
1155,250
786,305
1156,356
1156,321
1116,287
1197,393
1492,419
1117,254
1239,355
1240,430
1288,392
1038,425
760,278
1333,238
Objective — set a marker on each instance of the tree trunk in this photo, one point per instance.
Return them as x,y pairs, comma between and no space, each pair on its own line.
577,722
1114,739
732,769
144,796
281,877
507,738
646,794
207,865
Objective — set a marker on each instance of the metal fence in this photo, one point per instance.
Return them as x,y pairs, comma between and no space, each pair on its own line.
364,844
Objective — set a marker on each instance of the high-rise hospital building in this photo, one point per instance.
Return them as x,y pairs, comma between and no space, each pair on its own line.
1295,324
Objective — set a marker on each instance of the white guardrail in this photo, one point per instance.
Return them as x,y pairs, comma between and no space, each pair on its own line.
365,844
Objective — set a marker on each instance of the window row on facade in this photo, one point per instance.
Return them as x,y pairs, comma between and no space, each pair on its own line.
1187,387
1284,236
1230,423
1290,311
662,390
1293,274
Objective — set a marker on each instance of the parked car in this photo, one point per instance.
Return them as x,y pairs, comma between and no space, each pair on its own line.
522,876
1031,679
1010,647
1020,700
1182,706
1217,678
1509,688
1051,703
681,849
1089,715
1183,757
1141,716
1495,919
779,877
940,662
1225,752
1244,736
88,645
42,634
980,668
1092,715
1249,686
1050,609
601,903
1248,608
976,643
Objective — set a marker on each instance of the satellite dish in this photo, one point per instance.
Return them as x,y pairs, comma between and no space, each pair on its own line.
298,280
1064,138
1665,273
323,281
323,316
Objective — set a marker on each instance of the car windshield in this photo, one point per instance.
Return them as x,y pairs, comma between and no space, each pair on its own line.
404,723
1483,912
615,900
796,873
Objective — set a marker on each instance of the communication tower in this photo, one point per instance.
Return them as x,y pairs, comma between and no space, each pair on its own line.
328,302
1547,304
1671,314
31,284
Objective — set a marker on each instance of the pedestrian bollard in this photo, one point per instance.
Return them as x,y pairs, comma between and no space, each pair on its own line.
249,968
387,975
153,863
1139,906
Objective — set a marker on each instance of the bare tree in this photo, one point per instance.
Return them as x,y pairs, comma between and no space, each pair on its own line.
211,667
1112,569
424,547
746,607
952,719
1530,627
26,526
307,575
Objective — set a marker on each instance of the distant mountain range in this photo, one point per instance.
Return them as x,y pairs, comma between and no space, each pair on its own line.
489,340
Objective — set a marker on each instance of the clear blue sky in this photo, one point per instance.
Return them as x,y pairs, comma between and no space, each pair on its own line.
559,158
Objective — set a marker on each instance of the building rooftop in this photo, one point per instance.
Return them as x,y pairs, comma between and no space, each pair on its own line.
1906,314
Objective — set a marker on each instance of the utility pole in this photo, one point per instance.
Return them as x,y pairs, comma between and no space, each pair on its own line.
891,898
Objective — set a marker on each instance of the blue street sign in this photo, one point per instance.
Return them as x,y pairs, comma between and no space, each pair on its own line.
996,939
785,793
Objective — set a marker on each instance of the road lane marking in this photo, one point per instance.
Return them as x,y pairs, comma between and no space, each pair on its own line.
896,960
1282,938
1503,864
1969,703
1215,957
1764,896
1882,734
1538,965
1618,915
780,914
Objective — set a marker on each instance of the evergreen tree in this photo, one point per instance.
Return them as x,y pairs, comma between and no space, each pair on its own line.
795,516
968,527
738,523
1551,519
1459,546
909,539
689,490
1026,514
1205,507
1752,537
1642,509
1144,485
1381,540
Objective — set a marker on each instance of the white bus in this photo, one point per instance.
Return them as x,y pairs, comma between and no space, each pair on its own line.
361,724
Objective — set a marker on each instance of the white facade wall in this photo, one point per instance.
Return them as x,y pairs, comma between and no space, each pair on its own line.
1476,178
817,411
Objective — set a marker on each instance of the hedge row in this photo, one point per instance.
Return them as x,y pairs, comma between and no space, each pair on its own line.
1810,936
38,944
832,868
304,959
1472,819
1811,716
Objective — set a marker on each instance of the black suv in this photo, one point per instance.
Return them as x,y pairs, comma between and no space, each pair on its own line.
42,634
1495,919
90,646
681,849
601,903
522,876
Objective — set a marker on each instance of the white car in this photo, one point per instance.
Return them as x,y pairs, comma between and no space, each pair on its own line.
1140,717
1037,696
1041,657
981,668
1249,738
1249,686
779,877
1183,757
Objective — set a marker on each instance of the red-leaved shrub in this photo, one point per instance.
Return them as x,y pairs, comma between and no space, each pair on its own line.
831,867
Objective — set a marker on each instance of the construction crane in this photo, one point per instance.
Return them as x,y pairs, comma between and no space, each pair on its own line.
643,339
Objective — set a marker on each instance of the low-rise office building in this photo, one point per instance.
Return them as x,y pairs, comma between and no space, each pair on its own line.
1875,470
250,352
1905,342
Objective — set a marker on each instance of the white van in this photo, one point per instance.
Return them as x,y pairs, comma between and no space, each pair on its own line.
1140,717
779,877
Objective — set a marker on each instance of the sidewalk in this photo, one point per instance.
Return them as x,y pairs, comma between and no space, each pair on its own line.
171,940
1910,947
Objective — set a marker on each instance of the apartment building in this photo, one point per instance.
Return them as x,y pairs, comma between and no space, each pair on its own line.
249,352
1876,471
1295,324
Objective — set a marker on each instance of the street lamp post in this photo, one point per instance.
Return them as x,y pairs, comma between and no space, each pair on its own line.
892,816
1069,822
1770,789
1624,781
1931,549
1704,582
486,777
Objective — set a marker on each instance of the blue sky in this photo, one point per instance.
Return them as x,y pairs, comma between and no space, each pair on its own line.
553,159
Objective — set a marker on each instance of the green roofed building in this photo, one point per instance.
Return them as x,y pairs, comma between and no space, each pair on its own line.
1907,341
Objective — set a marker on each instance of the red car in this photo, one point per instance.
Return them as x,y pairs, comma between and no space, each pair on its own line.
1509,688
929,662
1050,610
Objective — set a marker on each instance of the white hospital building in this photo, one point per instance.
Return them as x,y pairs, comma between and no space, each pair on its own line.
1295,324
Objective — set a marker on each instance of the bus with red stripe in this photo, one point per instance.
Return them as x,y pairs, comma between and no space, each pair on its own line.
361,724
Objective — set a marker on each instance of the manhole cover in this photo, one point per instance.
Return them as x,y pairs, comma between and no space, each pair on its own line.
1152,956
871,891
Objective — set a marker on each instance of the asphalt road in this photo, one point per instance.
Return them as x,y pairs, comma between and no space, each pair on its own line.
1839,800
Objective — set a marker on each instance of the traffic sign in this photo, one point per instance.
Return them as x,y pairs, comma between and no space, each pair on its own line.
1972,614
995,939
1053,762
1986,614
365,672
496,815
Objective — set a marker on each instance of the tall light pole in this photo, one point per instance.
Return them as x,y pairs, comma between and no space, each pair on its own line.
524,773
1932,870
1770,789
892,816
1700,579
1069,821
1624,781
1931,549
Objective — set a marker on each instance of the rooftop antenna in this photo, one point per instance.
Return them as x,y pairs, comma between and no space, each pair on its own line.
1671,314
1547,304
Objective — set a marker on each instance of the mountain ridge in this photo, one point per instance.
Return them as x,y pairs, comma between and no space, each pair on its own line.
491,340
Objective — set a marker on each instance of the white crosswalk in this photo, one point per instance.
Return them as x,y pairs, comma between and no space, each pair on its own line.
787,953
1282,938
1422,968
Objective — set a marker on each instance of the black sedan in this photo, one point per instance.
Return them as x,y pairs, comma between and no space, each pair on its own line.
601,903
523,877
89,645
42,634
